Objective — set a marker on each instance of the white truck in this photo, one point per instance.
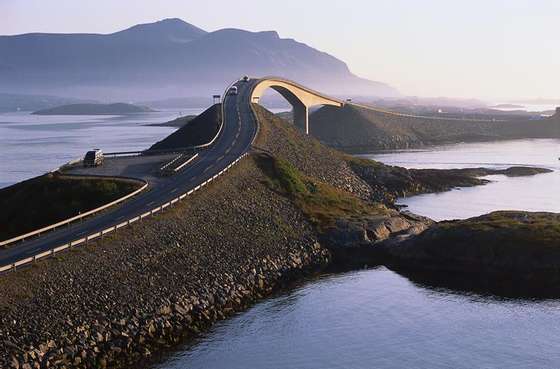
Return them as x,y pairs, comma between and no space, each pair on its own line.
93,158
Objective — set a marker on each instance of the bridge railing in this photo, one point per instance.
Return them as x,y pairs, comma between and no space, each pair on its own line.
302,87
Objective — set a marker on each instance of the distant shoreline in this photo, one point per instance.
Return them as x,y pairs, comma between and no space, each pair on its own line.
94,109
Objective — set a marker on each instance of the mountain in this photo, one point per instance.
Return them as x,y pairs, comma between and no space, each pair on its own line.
165,59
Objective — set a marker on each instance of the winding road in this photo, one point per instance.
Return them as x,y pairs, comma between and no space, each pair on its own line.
239,129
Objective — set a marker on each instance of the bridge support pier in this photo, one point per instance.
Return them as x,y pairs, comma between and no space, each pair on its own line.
300,97
301,117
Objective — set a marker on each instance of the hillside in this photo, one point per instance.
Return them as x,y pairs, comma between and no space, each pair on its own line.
168,58
66,196
94,109
193,132
359,129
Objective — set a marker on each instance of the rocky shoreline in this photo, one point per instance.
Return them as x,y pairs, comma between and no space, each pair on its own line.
297,209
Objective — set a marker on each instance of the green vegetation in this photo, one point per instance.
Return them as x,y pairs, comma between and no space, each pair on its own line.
508,229
48,199
503,240
322,203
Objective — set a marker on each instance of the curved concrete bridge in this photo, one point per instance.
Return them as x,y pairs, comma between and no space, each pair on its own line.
300,97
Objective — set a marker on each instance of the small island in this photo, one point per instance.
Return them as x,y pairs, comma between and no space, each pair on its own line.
504,252
507,106
94,109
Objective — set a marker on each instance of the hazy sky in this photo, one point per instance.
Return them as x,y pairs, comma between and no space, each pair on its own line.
469,48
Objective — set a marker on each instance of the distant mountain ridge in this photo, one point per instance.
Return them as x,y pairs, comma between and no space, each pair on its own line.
166,59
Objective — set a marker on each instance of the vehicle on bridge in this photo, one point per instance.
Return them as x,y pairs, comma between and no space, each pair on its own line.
233,90
93,158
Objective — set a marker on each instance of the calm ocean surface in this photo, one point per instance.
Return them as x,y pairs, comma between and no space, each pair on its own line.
31,145
378,319
536,193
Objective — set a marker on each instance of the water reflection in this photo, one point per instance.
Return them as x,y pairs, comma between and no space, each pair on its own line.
377,318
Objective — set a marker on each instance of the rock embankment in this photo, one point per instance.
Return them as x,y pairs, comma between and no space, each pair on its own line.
508,252
115,302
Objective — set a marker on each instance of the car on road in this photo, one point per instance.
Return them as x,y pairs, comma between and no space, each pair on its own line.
93,158
233,90
245,79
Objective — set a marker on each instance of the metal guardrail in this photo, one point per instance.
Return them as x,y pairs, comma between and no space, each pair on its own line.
74,218
168,168
84,240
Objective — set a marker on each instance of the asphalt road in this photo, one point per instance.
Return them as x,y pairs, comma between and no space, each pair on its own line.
235,139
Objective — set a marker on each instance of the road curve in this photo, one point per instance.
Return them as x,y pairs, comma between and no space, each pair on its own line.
235,138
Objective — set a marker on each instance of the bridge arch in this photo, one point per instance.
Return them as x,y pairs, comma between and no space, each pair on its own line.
300,98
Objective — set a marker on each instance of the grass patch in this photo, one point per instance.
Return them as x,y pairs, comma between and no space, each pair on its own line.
322,203
49,199
509,228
